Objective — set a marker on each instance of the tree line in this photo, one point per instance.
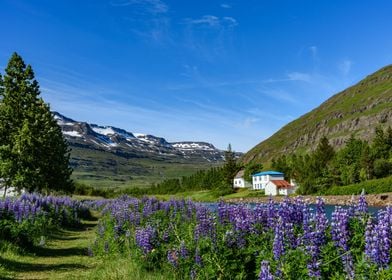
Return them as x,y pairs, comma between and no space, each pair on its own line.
357,161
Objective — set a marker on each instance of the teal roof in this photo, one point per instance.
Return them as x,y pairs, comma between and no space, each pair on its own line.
272,173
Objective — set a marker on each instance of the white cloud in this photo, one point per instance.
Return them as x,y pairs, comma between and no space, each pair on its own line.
298,76
345,66
225,6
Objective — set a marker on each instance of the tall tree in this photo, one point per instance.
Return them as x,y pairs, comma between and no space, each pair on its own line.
33,153
250,169
231,166
380,147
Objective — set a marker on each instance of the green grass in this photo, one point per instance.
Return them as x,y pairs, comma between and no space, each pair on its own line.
211,195
101,169
65,257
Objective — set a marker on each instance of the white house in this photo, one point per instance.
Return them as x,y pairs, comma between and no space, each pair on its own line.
261,179
279,187
273,183
11,191
239,180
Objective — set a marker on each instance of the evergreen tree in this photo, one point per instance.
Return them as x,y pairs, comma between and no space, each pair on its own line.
230,168
33,153
380,147
252,168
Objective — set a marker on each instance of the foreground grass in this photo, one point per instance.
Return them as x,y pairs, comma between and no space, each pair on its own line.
65,256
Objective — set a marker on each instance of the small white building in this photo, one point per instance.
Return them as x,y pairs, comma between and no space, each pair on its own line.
11,191
261,179
239,180
278,187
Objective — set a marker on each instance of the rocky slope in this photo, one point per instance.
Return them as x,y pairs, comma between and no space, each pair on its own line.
356,110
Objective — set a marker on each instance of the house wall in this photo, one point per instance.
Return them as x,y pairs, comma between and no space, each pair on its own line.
239,183
260,182
271,189
283,192
11,191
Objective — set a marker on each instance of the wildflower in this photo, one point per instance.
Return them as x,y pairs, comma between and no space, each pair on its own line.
265,273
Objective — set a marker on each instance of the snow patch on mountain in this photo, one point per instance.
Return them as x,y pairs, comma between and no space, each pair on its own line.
73,133
193,146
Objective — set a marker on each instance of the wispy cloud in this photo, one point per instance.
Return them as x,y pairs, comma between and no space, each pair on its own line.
212,21
279,94
152,6
148,19
345,66
225,6
249,122
314,52
298,76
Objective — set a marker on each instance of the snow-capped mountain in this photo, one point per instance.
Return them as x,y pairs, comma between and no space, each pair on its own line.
128,144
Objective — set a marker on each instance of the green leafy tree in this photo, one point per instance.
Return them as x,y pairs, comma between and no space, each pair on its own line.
33,153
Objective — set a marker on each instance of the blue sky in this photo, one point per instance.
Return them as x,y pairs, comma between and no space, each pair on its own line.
217,71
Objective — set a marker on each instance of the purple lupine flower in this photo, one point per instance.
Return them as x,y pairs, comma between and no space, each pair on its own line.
205,226
271,213
314,237
378,239
183,250
265,273
198,259
340,235
172,257
278,245
362,206
145,238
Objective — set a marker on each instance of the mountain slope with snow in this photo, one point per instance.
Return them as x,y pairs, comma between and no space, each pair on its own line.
129,145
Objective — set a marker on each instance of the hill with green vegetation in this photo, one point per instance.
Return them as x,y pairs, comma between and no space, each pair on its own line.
356,110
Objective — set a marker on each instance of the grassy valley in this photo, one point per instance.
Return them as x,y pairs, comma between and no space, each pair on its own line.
99,169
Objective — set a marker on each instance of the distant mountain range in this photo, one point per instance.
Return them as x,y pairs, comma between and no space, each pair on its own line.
127,144
356,110
109,156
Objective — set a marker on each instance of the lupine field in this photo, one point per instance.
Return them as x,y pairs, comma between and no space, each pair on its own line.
28,220
187,240
288,240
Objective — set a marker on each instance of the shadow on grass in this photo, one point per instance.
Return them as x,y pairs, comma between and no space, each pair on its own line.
28,267
60,252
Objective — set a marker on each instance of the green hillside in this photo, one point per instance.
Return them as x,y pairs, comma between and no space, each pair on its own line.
356,110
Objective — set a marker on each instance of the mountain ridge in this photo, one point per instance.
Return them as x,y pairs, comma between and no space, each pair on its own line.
120,141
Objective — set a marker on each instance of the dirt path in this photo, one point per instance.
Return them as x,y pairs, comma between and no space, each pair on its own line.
65,256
